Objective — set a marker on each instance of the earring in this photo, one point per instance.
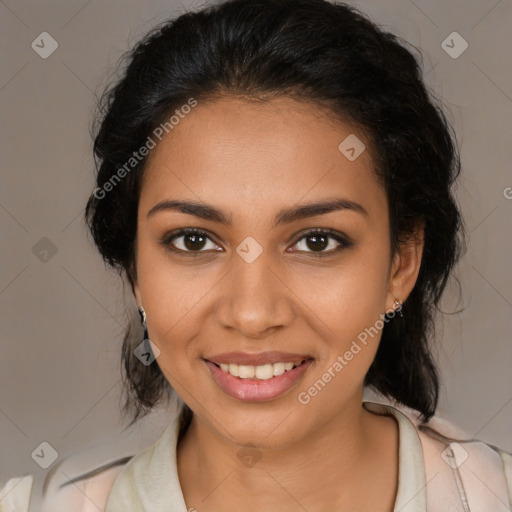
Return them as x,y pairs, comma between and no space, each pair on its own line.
142,314
398,307
150,351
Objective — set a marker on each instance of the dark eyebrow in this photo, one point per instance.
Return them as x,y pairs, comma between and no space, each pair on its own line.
286,216
318,208
202,210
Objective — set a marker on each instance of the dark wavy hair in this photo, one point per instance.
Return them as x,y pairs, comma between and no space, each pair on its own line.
328,54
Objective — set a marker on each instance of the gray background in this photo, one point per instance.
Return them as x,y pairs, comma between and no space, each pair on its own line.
62,319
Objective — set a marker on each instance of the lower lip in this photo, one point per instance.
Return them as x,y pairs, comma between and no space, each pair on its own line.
257,390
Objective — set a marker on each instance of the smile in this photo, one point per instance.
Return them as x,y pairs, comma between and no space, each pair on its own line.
263,372
258,383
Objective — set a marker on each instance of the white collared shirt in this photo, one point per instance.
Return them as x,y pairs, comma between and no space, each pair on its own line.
435,474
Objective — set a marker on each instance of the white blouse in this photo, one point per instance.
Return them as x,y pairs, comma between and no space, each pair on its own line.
436,473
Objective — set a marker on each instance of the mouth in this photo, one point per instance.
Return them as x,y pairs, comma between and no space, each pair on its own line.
259,383
261,372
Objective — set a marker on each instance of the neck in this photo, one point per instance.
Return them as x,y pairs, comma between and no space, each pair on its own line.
337,458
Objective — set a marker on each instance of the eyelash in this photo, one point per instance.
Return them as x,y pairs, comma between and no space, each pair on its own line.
165,241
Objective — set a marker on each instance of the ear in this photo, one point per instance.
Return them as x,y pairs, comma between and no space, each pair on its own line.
131,275
136,292
405,267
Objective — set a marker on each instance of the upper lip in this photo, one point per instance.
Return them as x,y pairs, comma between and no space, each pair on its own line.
262,358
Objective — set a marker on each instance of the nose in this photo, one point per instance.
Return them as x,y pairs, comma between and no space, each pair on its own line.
254,300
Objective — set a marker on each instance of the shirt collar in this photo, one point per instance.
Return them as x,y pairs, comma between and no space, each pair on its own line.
150,480
411,494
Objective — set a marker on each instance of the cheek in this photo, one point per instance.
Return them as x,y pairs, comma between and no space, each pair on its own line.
347,303
350,324
175,305
173,295
347,297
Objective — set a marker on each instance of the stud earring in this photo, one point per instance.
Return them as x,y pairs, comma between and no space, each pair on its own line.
398,307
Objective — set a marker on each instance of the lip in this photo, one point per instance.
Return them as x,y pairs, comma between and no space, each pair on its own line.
259,359
257,390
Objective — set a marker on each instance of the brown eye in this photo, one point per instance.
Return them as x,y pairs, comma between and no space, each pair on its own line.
188,240
322,242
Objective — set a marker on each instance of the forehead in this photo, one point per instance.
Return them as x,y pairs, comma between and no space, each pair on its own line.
250,157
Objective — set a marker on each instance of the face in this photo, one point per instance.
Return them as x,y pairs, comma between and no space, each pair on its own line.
264,281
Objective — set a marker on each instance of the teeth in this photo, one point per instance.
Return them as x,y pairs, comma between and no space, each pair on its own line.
263,372
246,372
278,369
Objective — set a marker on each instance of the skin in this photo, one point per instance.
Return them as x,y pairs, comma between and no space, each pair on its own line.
251,161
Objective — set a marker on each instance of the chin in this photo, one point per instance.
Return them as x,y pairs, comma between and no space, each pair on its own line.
266,425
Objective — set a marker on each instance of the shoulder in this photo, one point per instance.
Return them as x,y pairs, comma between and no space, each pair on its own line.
481,471
82,479
460,467
87,490
15,494
63,488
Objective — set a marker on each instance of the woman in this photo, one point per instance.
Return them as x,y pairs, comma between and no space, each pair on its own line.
274,181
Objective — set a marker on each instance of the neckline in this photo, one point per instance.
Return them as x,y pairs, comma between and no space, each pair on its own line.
150,479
